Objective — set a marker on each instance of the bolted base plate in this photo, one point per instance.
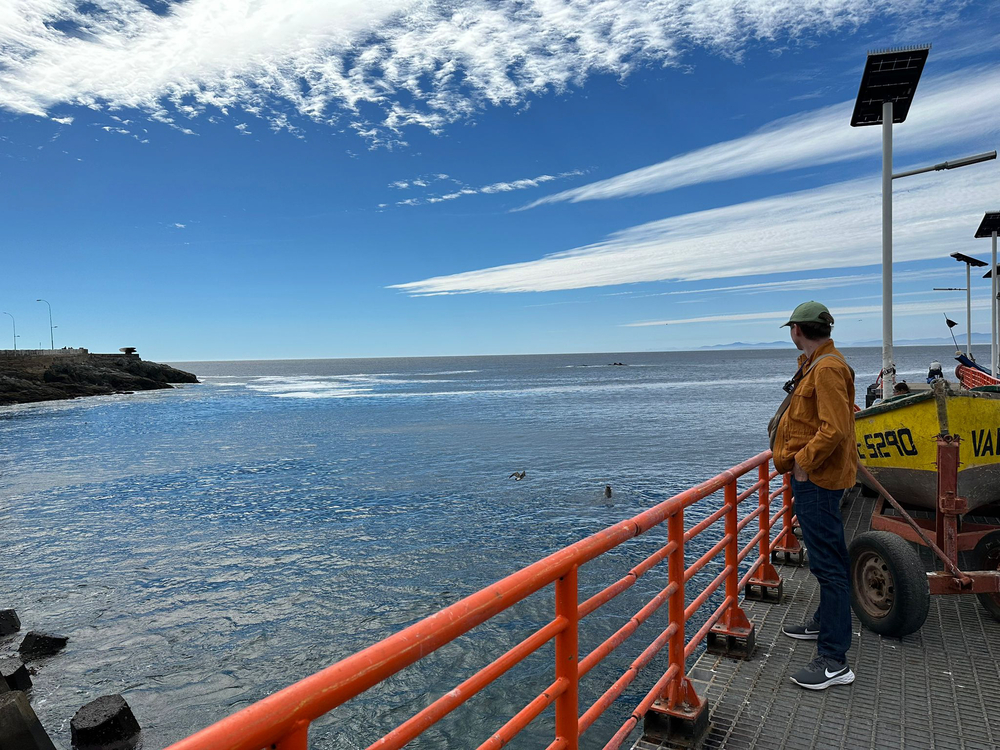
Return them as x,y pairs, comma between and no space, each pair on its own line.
734,644
677,726
764,591
786,557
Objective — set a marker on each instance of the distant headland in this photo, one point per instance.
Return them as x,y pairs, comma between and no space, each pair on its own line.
29,375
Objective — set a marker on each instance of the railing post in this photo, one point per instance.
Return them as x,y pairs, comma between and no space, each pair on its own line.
680,713
567,658
790,549
765,585
297,739
733,635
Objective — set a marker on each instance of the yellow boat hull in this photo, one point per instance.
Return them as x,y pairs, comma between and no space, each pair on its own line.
896,442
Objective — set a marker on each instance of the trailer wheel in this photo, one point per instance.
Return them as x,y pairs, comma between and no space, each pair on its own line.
987,557
889,591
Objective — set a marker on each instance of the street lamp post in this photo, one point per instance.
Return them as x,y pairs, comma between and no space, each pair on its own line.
52,339
887,86
14,326
988,228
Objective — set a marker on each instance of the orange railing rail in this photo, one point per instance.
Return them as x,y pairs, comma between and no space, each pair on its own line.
281,721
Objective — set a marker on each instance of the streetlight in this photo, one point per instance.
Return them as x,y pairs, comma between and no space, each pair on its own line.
14,326
969,263
887,86
988,228
52,341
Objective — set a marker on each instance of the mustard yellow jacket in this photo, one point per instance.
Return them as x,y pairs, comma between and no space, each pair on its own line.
817,430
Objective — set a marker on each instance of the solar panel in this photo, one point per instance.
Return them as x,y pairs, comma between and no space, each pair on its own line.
975,262
890,76
991,224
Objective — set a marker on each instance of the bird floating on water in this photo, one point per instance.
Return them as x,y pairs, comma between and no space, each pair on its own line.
607,490
517,476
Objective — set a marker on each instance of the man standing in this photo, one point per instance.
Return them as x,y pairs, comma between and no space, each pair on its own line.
815,442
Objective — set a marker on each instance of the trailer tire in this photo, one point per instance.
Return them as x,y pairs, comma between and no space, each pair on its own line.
889,590
987,557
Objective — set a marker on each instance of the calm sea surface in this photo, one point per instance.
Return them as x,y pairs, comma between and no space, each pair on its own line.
206,546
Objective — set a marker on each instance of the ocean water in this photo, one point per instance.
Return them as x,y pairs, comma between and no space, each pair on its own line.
205,546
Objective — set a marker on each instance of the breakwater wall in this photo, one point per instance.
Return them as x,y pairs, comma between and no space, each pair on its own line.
12,353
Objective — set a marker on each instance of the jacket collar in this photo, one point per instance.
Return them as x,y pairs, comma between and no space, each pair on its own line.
825,348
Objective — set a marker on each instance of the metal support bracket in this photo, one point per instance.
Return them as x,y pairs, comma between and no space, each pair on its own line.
684,724
733,636
760,590
789,557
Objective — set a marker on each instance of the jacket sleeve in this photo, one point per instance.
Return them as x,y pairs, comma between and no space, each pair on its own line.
836,422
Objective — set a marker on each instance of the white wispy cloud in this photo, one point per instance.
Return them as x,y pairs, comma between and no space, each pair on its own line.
906,309
63,120
956,108
836,226
180,226
464,190
798,285
378,66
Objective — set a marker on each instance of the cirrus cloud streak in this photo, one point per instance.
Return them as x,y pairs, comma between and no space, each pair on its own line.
816,138
836,226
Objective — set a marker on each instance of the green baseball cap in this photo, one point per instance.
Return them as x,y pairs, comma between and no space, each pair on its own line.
810,312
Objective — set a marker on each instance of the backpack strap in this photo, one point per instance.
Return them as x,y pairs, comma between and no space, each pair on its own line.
830,354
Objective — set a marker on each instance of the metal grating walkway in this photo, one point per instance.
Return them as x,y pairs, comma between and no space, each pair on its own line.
938,689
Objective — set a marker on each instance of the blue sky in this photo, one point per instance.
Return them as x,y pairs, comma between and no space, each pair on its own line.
225,179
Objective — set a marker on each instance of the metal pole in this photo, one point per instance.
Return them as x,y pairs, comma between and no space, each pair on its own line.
993,308
888,368
14,326
52,341
968,308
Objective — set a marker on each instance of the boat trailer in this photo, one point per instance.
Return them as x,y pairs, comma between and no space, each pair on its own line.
890,590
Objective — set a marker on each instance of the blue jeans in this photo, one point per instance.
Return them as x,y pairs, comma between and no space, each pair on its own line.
818,511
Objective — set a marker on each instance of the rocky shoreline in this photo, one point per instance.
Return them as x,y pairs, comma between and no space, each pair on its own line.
36,378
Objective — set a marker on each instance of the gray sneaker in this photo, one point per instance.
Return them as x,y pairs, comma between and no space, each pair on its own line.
808,631
823,672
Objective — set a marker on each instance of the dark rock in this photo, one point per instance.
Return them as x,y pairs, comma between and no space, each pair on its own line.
42,644
15,673
9,623
29,379
104,723
20,729
4,687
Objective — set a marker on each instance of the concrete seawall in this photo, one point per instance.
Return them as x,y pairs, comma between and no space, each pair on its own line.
46,353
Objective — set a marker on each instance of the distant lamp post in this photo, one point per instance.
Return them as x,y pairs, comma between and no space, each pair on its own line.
887,86
989,228
52,340
14,326
969,263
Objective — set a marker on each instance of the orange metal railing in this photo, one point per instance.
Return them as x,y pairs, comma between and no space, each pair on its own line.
281,721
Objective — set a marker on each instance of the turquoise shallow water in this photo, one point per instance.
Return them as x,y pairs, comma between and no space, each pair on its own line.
206,546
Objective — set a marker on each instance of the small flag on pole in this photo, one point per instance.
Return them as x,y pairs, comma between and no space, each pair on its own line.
951,324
